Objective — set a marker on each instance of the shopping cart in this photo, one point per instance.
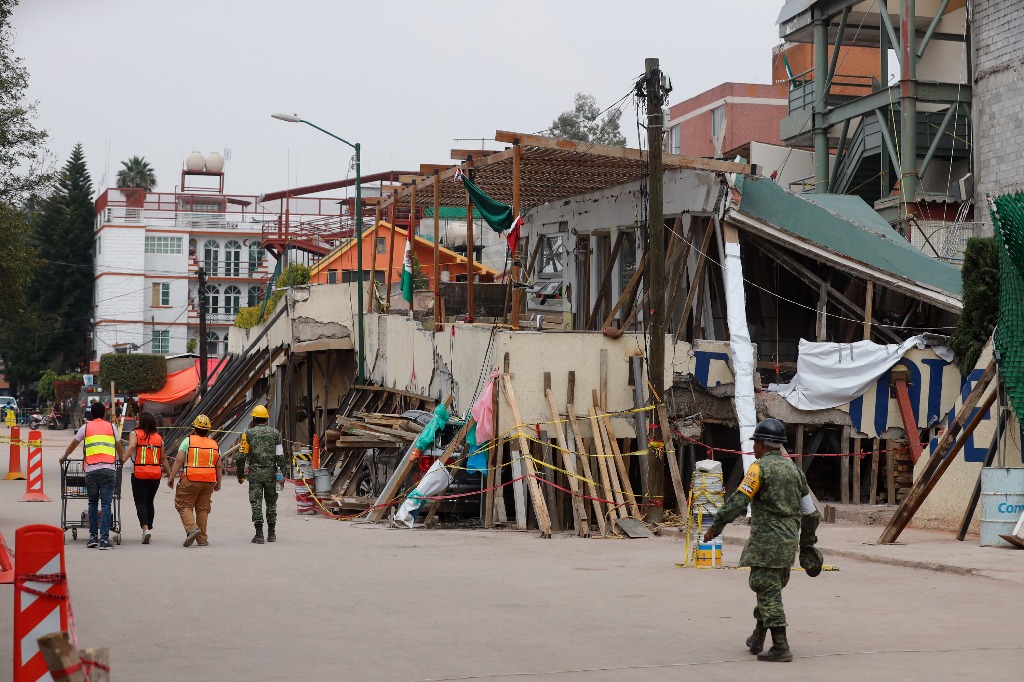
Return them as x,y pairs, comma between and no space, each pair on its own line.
72,487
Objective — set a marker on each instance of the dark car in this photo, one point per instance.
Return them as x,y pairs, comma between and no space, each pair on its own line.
380,463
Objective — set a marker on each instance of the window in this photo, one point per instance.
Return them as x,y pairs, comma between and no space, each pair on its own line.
551,251
332,276
382,245
673,142
161,294
161,342
212,299
212,343
211,257
163,245
256,256
233,259
254,296
232,300
717,122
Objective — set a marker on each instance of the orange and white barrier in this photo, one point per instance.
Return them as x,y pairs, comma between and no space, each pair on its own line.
34,466
40,597
14,468
6,563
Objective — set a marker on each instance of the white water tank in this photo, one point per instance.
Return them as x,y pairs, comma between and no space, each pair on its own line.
195,162
455,234
214,163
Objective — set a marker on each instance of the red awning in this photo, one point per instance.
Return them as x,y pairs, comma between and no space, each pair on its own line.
181,386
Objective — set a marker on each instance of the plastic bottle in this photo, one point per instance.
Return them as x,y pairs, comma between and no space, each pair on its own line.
280,481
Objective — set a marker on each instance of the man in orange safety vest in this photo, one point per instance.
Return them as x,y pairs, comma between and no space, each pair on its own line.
198,460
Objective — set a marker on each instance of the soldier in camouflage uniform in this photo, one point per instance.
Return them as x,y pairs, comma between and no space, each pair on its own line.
783,517
261,445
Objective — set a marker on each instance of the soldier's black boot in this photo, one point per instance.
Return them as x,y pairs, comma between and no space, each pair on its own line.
779,653
756,640
271,535
258,538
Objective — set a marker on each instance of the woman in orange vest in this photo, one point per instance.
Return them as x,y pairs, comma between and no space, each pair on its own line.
198,460
146,450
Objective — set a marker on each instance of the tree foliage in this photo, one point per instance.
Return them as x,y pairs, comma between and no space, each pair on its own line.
137,173
137,373
582,124
295,275
981,300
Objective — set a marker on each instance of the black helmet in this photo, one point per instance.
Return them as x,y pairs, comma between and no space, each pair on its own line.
770,431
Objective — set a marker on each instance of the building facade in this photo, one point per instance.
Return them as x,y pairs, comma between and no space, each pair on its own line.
149,247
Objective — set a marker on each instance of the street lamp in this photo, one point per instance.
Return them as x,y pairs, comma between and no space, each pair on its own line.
292,118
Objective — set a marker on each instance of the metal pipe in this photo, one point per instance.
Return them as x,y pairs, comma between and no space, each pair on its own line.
938,138
931,28
821,147
838,45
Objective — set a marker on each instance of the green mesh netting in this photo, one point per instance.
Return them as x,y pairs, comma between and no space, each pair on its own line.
1008,219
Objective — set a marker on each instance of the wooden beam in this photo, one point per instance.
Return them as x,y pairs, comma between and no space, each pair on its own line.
470,255
844,466
698,276
411,179
907,413
628,294
606,278
539,508
669,160
873,489
855,463
431,168
869,304
942,455
437,259
460,437
579,508
673,462
463,154
587,471
391,256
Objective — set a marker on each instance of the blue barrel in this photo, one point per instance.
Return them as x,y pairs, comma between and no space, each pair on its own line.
1002,503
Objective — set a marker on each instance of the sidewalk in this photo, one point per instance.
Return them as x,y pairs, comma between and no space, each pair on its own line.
927,549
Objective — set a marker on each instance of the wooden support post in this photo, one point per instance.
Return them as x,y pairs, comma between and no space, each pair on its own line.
606,278
391,253
492,456
437,260
586,469
516,211
608,478
539,508
549,476
623,469
822,322
869,304
569,464
799,446
844,466
673,461
900,376
873,491
518,488
698,277
855,463
640,418
890,472
943,454
628,294
470,251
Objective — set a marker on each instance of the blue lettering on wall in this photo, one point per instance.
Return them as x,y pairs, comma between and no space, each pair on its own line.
971,452
702,365
936,368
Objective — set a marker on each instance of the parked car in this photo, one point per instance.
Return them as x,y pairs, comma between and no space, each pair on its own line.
380,463
7,403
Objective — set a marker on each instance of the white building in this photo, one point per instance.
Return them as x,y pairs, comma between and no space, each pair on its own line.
149,246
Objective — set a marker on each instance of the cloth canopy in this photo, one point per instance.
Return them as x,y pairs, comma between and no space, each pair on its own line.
181,386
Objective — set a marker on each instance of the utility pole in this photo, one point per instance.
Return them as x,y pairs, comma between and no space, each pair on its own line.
203,348
656,278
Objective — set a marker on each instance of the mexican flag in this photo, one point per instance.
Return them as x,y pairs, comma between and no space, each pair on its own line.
407,272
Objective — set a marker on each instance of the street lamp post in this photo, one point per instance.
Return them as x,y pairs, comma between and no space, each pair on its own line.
291,118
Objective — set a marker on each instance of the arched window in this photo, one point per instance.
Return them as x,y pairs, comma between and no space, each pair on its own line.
212,299
233,259
213,343
232,299
256,256
254,296
211,257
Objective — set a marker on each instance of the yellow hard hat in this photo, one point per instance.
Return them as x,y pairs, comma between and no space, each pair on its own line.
260,412
202,422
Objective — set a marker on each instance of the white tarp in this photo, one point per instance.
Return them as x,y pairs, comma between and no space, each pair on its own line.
742,351
433,483
831,374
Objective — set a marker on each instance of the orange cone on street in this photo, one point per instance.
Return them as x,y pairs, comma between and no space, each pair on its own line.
34,465
14,468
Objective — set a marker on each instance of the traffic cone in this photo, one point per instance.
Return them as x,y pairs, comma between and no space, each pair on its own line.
14,468
34,464
40,596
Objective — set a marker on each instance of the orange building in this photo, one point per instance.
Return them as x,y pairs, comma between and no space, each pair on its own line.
340,265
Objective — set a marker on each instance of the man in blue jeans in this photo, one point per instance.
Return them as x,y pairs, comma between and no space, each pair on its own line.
101,450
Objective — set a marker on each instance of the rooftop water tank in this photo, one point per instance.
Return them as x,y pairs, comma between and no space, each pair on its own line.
195,162
214,163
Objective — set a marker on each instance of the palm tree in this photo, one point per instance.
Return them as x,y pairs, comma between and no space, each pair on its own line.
136,173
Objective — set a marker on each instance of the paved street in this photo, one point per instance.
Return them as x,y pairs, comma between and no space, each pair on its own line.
334,600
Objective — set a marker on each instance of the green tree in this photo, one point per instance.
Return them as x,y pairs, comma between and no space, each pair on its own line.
582,124
981,300
136,172
138,373
23,175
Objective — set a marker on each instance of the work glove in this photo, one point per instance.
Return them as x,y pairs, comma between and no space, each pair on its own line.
810,557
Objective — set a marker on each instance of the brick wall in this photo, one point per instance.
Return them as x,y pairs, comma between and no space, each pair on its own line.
998,107
747,120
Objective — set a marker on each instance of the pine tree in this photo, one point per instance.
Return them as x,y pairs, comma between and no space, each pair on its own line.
981,300
62,290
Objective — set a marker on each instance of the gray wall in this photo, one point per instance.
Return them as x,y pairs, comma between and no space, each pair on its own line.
998,109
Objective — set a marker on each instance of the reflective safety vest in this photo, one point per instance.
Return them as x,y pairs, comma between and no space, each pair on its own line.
148,455
99,443
201,459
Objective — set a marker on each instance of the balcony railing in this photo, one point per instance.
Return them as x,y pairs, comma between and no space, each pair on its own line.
220,269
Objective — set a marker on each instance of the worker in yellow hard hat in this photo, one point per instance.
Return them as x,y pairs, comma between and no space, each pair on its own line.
198,460
262,447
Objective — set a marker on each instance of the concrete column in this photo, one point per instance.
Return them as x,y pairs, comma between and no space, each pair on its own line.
908,106
820,106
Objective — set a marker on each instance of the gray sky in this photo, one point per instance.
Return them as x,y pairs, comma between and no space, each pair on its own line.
159,78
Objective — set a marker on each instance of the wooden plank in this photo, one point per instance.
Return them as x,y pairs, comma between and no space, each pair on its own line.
466,154
869,304
500,515
429,168
943,454
907,413
821,326
673,462
698,277
873,489
606,278
627,486
549,475
569,464
539,508
855,463
799,446
628,294
612,493
640,418
669,160
519,489
587,472
844,466
890,472
634,528
677,265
